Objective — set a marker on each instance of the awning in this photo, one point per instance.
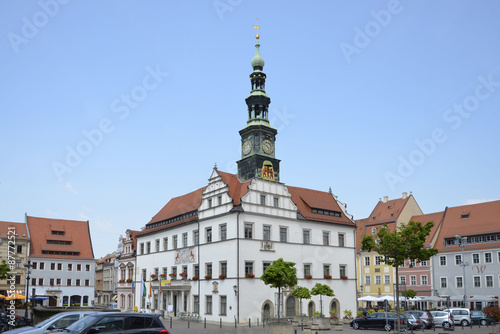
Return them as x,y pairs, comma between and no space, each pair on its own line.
115,298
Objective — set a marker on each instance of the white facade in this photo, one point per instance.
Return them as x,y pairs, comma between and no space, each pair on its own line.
242,240
67,282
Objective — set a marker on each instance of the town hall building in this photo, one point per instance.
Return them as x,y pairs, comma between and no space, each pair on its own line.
204,252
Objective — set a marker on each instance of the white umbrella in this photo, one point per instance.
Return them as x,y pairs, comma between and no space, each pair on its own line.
481,299
432,299
368,299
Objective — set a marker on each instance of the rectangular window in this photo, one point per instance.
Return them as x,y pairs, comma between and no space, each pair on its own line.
78,267
283,234
42,266
223,232
17,280
196,270
148,247
368,280
367,260
306,236
223,268
33,281
459,281
423,279
266,232
208,269
248,231
341,240
196,237
442,260
77,282
196,304
477,281
87,267
18,264
68,282
262,200
265,265
377,260
488,258
248,267
157,245
444,283
174,241
33,265
184,239
307,270
489,281
475,258
458,259
223,305
208,304
342,270
59,266
326,269
209,202
19,249
413,280
326,238
423,264
219,199
402,279
51,282
387,279
165,243
40,281
275,202
378,279
52,266
412,263
87,282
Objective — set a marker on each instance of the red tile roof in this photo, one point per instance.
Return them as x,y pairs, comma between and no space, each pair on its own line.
308,199
387,212
360,232
76,231
304,199
483,218
437,219
19,228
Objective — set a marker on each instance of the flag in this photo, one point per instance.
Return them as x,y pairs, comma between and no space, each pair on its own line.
133,287
160,283
143,287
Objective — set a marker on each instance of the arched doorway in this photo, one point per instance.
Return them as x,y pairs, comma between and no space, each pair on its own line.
267,311
310,309
335,306
290,307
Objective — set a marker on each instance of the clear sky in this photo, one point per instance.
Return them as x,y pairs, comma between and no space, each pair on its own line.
111,108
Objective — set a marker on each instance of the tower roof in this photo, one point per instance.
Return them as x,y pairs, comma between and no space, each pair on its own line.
257,60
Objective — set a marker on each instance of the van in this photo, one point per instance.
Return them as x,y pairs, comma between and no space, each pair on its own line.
461,316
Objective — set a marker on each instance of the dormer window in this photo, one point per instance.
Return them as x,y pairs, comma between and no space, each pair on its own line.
465,215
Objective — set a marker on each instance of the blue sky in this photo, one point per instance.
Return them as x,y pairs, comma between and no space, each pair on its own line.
111,108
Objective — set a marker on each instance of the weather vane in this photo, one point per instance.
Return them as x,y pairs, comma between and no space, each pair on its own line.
257,27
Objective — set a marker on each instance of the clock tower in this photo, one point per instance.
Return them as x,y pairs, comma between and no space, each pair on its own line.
258,136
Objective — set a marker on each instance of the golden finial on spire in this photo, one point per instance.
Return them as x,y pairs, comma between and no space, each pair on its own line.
257,27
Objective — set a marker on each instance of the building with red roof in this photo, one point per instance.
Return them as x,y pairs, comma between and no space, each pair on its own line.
204,251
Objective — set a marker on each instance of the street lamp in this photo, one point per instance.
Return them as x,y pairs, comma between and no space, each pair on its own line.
462,241
28,272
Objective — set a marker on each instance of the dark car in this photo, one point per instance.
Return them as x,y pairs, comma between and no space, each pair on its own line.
117,322
478,317
414,322
379,320
425,316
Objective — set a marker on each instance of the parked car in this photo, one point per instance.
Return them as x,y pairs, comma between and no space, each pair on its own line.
425,317
442,319
56,322
461,316
117,322
479,318
379,320
414,322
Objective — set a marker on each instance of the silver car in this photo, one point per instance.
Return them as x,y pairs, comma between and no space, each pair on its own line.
442,319
56,322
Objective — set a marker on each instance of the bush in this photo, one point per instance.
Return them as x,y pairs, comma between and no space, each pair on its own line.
492,312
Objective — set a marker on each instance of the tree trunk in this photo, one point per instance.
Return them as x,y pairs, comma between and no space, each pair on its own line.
396,300
279,303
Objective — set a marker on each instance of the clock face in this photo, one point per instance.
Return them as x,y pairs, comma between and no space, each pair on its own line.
267,146
247,147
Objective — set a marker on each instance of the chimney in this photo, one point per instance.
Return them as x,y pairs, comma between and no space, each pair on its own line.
405,194
386,199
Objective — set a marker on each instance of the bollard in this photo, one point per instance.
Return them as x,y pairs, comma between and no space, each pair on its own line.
205,323
249,323
302,325
170,322
295,331
234,322
188,322
220,322
257,322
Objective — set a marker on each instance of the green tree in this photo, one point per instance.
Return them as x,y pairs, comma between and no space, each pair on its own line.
4,270
301,293
407,241
280,274
322,290
409,293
